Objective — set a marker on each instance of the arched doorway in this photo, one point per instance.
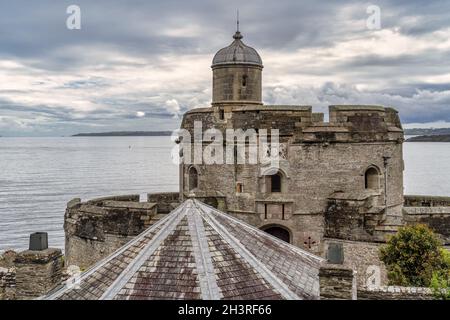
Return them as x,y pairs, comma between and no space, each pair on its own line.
211,202
278,232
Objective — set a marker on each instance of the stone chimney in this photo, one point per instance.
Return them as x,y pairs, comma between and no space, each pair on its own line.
337,282
39,269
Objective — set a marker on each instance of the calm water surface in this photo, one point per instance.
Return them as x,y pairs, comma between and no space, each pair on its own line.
38,176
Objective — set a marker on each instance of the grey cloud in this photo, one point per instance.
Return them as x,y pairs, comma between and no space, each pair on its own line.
135,34
421,107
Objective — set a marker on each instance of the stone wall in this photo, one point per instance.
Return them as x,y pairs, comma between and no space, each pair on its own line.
321,164
437,218
166,202
30,274
7,275
228,84
395,293
432,211
336,283
97,228
84,252
426,201
353,219
7,283
361,257
37,272
7,259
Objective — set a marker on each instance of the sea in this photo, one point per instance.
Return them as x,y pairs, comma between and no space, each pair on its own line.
38,176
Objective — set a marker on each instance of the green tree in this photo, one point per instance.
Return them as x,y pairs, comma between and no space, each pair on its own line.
412,255
440,282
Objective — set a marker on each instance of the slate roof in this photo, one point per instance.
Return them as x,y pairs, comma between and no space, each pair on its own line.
237,53
198,252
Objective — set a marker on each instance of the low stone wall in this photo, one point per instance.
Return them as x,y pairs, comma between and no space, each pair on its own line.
166,202
124,198
30,274
7,283
96,228
426,201
7,259
395,293
363,257
432,211
337,283
37,272
7,275
437,218
84,252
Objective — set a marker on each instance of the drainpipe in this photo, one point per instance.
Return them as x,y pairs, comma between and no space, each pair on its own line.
385,163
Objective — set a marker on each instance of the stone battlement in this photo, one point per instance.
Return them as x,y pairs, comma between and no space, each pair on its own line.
98,227
358,123
395,293
430,210
426,201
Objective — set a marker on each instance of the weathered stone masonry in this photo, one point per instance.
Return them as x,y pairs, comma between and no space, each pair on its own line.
97,228
30,273
338,191
432,211
340,183
7,283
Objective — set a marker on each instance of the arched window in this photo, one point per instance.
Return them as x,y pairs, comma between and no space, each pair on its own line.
193,178
239,187
372,179
275,182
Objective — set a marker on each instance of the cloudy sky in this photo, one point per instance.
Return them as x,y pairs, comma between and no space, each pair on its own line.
138,65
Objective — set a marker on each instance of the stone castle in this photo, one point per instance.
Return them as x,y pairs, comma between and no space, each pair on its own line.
338,191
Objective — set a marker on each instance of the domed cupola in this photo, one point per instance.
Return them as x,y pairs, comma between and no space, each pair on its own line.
237,53
237,74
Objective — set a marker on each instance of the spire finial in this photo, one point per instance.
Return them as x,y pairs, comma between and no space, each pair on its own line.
237,35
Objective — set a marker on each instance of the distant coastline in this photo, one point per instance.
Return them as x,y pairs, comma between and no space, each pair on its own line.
430,138
427,132
125,134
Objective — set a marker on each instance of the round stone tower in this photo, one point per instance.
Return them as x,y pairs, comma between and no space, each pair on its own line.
237,71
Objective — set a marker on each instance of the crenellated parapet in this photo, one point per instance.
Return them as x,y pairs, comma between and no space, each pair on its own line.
430,210
96,228
341,178
350,123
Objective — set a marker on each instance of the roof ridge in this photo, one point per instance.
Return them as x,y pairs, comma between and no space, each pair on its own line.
267,235
144,254
58,292
202,255
187,255
240,249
